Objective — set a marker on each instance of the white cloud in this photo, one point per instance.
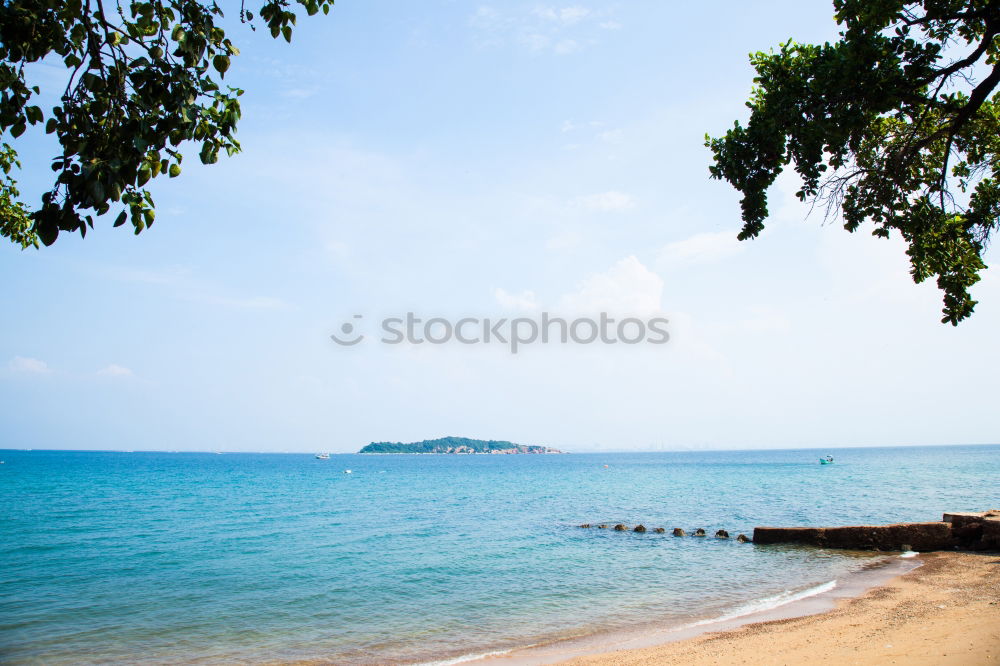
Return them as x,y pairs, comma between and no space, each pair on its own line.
253,303
766,320
566,46
558,30
338,249
485,17
785,205
610,25
187,287
564,241
610,136
115,370
607,201
300,93
535,41
565,15
572,125
691,339
526,300
627,287
699,249
28,365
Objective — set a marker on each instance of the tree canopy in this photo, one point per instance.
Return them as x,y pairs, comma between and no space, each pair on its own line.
141,80
896,123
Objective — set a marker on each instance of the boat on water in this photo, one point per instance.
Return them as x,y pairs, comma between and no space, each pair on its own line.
826,461
322,456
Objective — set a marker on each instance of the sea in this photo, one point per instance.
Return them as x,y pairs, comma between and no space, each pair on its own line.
154,557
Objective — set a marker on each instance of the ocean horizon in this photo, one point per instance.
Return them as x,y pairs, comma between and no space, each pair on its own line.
159,557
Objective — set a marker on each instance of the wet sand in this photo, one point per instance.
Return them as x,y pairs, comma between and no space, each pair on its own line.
945,612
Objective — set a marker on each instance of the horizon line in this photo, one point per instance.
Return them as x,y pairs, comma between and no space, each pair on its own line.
581,452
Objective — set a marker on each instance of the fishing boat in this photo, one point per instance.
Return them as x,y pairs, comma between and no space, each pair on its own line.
826,461
322,456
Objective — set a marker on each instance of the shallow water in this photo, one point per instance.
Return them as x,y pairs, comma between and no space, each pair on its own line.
163,557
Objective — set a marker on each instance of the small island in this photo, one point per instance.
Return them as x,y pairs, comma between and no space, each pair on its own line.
456,445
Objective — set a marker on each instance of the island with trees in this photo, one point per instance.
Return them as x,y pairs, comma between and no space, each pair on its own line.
456,445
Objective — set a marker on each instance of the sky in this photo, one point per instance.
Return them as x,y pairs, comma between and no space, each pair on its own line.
458,159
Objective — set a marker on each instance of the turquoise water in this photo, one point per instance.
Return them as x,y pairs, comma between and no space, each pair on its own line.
159,557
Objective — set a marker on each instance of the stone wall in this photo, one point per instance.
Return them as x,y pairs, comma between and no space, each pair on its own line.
969,531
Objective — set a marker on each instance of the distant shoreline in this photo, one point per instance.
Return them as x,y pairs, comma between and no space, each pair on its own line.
459,453
452,445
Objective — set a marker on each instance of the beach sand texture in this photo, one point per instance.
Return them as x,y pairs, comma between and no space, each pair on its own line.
945,612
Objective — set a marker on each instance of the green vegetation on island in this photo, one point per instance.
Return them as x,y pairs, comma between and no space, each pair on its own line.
455,445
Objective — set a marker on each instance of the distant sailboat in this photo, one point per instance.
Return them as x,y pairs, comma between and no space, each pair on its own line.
322,456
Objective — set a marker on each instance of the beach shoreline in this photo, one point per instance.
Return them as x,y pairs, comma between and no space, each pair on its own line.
947,611
938,608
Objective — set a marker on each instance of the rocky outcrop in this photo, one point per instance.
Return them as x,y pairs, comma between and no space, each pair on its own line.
620,528
660,530
743,538
722,534
679,532
639,528
699,532
585,525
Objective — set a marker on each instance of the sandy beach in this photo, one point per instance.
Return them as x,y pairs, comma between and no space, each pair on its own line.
945,612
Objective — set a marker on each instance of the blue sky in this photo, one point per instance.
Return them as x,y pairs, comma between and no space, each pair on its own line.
467,159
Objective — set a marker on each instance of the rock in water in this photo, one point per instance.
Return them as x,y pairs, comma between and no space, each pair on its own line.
679,532
722,534
743,538
620,528
602,526
639,528
660,530
699,532
585,525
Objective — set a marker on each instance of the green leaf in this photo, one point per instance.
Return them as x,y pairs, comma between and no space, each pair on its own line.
175,170
286,32
221,63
